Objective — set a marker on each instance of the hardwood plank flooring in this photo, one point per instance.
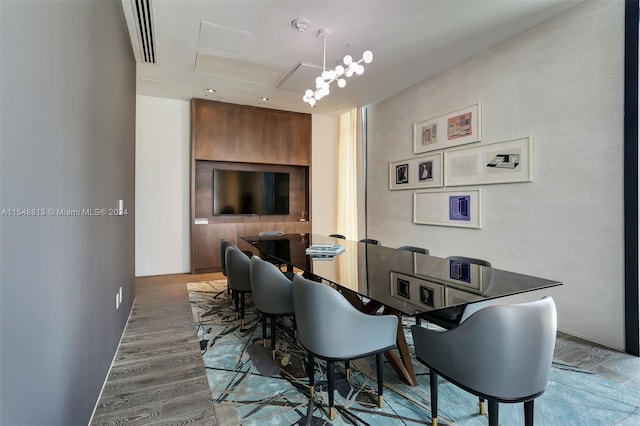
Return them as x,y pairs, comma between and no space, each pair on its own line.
158,375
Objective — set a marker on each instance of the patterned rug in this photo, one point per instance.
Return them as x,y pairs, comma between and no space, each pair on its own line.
251,388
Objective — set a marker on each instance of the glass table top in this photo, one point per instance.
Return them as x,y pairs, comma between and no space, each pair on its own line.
411,283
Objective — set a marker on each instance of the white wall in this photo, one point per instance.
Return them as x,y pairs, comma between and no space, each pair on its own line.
324,174
162,183
561,83
162,186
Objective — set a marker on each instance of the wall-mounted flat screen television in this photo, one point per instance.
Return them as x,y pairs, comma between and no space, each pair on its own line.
240,192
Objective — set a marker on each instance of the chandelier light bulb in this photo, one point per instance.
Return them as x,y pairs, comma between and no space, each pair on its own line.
339,74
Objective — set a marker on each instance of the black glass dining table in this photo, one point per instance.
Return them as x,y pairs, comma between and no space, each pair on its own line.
402,283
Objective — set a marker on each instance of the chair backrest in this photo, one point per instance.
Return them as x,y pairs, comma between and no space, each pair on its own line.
271,289
238,267
473,260
370,241
223,249
502,351
414,249
342,237
329,326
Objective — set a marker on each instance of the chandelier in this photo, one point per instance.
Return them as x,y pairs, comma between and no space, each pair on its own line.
339,74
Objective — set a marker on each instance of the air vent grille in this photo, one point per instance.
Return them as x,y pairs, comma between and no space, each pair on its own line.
145,30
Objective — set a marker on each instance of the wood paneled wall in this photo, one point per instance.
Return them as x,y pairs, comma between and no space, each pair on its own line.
237,137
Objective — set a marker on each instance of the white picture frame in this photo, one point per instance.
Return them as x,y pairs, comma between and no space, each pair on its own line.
417,172
455,128
461,208
499,162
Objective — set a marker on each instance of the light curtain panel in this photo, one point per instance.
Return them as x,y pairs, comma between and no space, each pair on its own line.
419,172
501,162
448,208
452,129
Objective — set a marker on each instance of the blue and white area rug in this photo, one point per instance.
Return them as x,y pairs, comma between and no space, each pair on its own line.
258,390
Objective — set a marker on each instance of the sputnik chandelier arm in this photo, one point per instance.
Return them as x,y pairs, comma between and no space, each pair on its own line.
339,74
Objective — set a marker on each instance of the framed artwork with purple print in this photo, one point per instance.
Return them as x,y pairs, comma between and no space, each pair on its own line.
448,208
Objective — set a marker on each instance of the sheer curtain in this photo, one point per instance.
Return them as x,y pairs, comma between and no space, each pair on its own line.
349,138
349,141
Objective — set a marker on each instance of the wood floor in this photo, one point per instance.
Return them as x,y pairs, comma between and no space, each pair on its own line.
158,375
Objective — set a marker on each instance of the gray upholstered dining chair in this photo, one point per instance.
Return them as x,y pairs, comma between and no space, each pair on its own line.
500,353
223,249
272,296
414,249
332,329
238,277
370,241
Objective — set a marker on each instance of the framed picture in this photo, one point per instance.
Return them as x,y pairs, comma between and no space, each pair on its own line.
448,208
451,272
500,162
418,292
455,128
420,172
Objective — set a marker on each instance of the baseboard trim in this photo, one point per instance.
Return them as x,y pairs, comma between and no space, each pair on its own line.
104,383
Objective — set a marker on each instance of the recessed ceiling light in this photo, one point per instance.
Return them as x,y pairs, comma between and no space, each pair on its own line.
210,90
264,98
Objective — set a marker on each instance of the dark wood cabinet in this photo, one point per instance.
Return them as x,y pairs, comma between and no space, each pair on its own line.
237,137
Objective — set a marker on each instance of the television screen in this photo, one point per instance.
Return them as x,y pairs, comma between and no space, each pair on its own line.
250,192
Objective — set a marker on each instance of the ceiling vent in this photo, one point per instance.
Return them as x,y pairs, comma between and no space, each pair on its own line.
144,26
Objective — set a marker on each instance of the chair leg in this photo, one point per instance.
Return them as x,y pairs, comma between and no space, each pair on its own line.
242,309
295,328
310,372
433,387
330,387
235,296
273,337
380,373
528,413
347,371
264,330
493,413
481,406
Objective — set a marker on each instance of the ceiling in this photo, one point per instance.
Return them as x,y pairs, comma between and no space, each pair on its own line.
245,50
